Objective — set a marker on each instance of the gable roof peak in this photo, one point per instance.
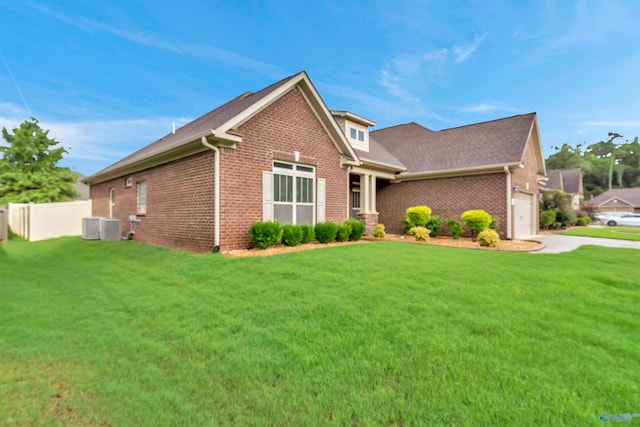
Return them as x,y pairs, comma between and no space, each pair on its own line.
221,123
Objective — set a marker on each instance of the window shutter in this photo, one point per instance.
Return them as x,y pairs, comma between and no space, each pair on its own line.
321,200
267,196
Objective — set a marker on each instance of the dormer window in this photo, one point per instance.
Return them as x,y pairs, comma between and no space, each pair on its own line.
356,134
355,128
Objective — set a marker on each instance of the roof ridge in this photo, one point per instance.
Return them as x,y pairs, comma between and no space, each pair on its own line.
490,121
403,124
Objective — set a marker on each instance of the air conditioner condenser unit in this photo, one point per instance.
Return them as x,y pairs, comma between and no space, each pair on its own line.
91,228
110,229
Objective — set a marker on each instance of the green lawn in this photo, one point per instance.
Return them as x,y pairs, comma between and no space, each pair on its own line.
621,233
391,334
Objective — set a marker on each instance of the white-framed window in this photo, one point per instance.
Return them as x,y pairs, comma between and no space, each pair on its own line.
356,134
142,197
355,198
128,182
293,193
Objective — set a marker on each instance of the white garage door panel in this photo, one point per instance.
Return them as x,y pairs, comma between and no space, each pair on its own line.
523,215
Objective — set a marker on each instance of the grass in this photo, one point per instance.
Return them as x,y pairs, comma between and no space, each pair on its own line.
384,333
620,233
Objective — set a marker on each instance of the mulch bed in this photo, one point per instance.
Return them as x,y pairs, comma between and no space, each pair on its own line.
505,245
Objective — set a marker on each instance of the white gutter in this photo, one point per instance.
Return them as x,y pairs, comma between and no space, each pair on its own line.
508,173
407,176
216,193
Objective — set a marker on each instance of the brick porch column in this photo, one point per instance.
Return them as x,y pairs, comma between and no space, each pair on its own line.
370,222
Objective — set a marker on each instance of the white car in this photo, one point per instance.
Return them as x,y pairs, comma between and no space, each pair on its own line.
627,219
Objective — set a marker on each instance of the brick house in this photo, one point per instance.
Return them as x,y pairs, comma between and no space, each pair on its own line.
617,200
281,154
568,181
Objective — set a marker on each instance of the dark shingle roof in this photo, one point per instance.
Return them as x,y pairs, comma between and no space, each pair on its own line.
630,195
378,154
566,180
185,134
490,143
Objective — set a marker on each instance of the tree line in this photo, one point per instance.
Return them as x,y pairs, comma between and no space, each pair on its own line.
605,164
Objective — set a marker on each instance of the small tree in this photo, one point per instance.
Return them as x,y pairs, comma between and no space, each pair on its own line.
28,171
476,220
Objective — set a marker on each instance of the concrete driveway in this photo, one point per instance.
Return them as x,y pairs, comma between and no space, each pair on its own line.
556,243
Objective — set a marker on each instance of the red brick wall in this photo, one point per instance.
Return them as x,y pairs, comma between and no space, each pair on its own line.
285,126
447,197
180,205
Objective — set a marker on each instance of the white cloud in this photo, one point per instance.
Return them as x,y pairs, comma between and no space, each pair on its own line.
613,124
481,108
464,53
395,84
98,142
437,59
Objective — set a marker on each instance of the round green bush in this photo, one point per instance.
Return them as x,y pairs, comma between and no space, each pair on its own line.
378,231
583,220
416,216
489,238
357,229
291,235
435,225
308,233
420,233
476,220
547,218
326,231
455,228
265,234
343,233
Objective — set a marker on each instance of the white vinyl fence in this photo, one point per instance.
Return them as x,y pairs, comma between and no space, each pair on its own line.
40,221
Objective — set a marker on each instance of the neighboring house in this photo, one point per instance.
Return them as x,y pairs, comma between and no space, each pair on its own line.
617,200
568,181
281,154
82,188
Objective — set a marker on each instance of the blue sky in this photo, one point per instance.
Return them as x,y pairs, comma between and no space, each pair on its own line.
108,77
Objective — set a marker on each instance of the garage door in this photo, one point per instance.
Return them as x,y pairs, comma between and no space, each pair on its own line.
523,216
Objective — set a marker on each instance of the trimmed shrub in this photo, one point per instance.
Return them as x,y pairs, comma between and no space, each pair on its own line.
416,216
566,217
357,229
308,234
291,235
435,226
476,220
489,238
495,221
455,228
343,233
326,231
547,218
265,234
583,220
420,233
378,231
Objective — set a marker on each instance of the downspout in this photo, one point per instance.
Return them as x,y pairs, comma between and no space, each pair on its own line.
216,194
508,173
